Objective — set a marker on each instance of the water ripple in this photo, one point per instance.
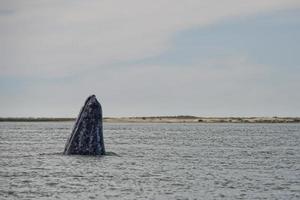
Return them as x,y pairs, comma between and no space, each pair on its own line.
153,161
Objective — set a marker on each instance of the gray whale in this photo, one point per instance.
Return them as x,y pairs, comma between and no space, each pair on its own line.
87,134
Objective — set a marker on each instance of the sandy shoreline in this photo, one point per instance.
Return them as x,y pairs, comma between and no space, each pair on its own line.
203,120
169,119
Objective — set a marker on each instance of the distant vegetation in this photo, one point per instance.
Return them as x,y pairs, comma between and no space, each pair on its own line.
169,119
194,119
31,119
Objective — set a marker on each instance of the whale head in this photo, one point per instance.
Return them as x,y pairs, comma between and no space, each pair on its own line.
87,134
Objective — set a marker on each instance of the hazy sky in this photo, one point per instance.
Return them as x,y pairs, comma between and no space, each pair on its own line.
141,58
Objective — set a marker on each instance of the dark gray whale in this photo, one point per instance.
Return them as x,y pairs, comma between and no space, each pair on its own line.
87,135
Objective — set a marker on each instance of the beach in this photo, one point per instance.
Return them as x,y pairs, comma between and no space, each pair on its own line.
168,119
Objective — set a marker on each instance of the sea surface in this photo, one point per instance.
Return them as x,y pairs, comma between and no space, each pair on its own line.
152,161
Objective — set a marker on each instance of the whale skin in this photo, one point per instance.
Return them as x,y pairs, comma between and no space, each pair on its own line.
87,134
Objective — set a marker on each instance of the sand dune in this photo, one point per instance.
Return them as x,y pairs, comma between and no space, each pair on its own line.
170,119
192,119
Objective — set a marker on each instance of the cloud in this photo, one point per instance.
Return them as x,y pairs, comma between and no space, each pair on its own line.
218,87
55,53
58,38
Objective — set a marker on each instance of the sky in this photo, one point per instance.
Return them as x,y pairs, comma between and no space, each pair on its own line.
150,58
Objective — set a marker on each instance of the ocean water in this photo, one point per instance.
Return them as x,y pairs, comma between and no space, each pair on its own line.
153,161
